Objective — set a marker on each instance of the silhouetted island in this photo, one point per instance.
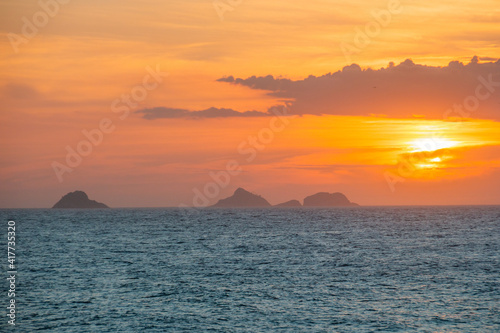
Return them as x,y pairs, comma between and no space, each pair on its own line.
324,199
78,199
243,198
291,203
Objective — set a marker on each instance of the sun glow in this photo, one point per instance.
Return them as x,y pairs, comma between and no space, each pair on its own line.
427,153
431,144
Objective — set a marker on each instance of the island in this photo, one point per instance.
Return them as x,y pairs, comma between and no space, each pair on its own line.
243,198
78,199
324,199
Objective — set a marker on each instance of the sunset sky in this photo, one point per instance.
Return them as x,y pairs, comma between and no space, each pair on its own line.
388,102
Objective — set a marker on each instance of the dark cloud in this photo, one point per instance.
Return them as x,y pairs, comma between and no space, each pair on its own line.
19,91
171,113
263,83
403,90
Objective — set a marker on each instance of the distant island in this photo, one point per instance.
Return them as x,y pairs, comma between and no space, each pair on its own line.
324,199
78,199
243,198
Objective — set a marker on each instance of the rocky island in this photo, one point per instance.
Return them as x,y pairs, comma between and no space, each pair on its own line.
78,199
324,199
243,198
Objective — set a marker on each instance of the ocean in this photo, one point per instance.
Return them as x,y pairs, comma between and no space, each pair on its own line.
360,269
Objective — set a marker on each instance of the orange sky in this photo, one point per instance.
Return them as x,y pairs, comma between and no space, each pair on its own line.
383,134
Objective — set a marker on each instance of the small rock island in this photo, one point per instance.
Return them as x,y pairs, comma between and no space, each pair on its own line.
78,199
243,198
324,199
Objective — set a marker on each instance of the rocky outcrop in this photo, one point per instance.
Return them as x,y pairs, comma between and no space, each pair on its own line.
324,199
243,198
78,199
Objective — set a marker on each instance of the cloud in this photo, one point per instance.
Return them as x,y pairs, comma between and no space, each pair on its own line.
487,59
262,83
404,90
171,113
19,91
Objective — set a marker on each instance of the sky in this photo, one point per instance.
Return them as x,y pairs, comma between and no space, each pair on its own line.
178,103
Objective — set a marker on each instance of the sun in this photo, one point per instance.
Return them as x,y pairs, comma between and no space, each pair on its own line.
426,152
431,144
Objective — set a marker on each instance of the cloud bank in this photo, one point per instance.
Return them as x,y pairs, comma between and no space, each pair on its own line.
405,90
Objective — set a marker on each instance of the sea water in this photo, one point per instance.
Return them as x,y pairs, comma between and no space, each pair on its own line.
360,269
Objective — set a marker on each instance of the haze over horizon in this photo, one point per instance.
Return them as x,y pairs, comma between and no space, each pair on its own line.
151,104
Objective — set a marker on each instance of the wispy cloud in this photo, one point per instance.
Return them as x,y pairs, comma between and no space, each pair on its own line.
172,113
